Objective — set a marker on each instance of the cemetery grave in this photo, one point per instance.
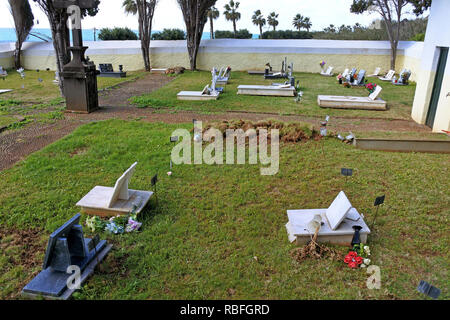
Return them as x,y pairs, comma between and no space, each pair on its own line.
105,201
389,76
107,70
208,92
202,210
375,73
399,98
372,102
328,73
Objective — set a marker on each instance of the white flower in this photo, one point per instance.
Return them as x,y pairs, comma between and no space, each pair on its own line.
169,173
366,248
197,138
367,261
363,265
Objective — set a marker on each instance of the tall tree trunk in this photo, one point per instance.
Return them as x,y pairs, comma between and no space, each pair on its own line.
23,23
17,54
61,42
211,23
260,31
234,27
146,10
195,18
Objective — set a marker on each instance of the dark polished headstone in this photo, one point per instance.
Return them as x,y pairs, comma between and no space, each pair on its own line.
107,70
66,247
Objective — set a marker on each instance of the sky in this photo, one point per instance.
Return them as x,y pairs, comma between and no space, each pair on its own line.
168,14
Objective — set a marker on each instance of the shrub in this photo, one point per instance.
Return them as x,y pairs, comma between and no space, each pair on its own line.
287,34
117,34
418,37
240,34
169,34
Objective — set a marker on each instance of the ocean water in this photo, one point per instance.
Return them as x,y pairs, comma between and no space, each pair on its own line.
9,35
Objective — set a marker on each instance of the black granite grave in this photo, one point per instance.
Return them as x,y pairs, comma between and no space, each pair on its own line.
66,247
106,70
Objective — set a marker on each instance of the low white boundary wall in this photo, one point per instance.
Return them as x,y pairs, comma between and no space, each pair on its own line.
239,54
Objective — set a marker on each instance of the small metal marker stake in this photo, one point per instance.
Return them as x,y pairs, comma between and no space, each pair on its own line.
378,201
346,173
429,290
154,181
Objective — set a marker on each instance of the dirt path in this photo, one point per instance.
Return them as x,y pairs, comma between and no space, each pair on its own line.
17,144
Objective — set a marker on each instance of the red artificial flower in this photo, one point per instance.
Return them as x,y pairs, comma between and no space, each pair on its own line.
353,260
359,260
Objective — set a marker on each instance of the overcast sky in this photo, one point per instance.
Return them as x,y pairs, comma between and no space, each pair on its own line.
168,14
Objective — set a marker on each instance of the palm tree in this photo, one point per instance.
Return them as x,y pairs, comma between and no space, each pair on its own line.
272,20
259,20
307,24
231,13
298,21
145,10
213,14
129,6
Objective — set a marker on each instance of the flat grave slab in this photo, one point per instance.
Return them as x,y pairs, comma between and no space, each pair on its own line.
343,235
5,90
337,223
106,201
347,102
159,71
197,95
96,202
258,90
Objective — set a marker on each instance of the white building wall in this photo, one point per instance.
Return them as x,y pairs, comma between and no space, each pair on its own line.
437,36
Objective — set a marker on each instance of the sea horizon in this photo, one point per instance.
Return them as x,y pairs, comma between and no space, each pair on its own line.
9,35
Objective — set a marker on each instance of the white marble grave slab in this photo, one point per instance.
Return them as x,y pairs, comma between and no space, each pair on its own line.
5,90
197,95
297,228
106,201
372,102
389,76
328,73
258,90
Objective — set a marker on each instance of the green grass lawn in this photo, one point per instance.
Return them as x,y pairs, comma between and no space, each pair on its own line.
399,98
201,240
35,92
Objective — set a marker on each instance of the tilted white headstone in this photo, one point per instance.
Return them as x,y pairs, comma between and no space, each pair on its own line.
338,210
374,95
120,190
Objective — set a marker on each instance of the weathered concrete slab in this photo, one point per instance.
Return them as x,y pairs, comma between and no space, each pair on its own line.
297,228
96,202
398,145
258,90
159,71
348,102
196,95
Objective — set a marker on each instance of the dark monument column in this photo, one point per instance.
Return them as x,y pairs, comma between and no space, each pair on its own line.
80,74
